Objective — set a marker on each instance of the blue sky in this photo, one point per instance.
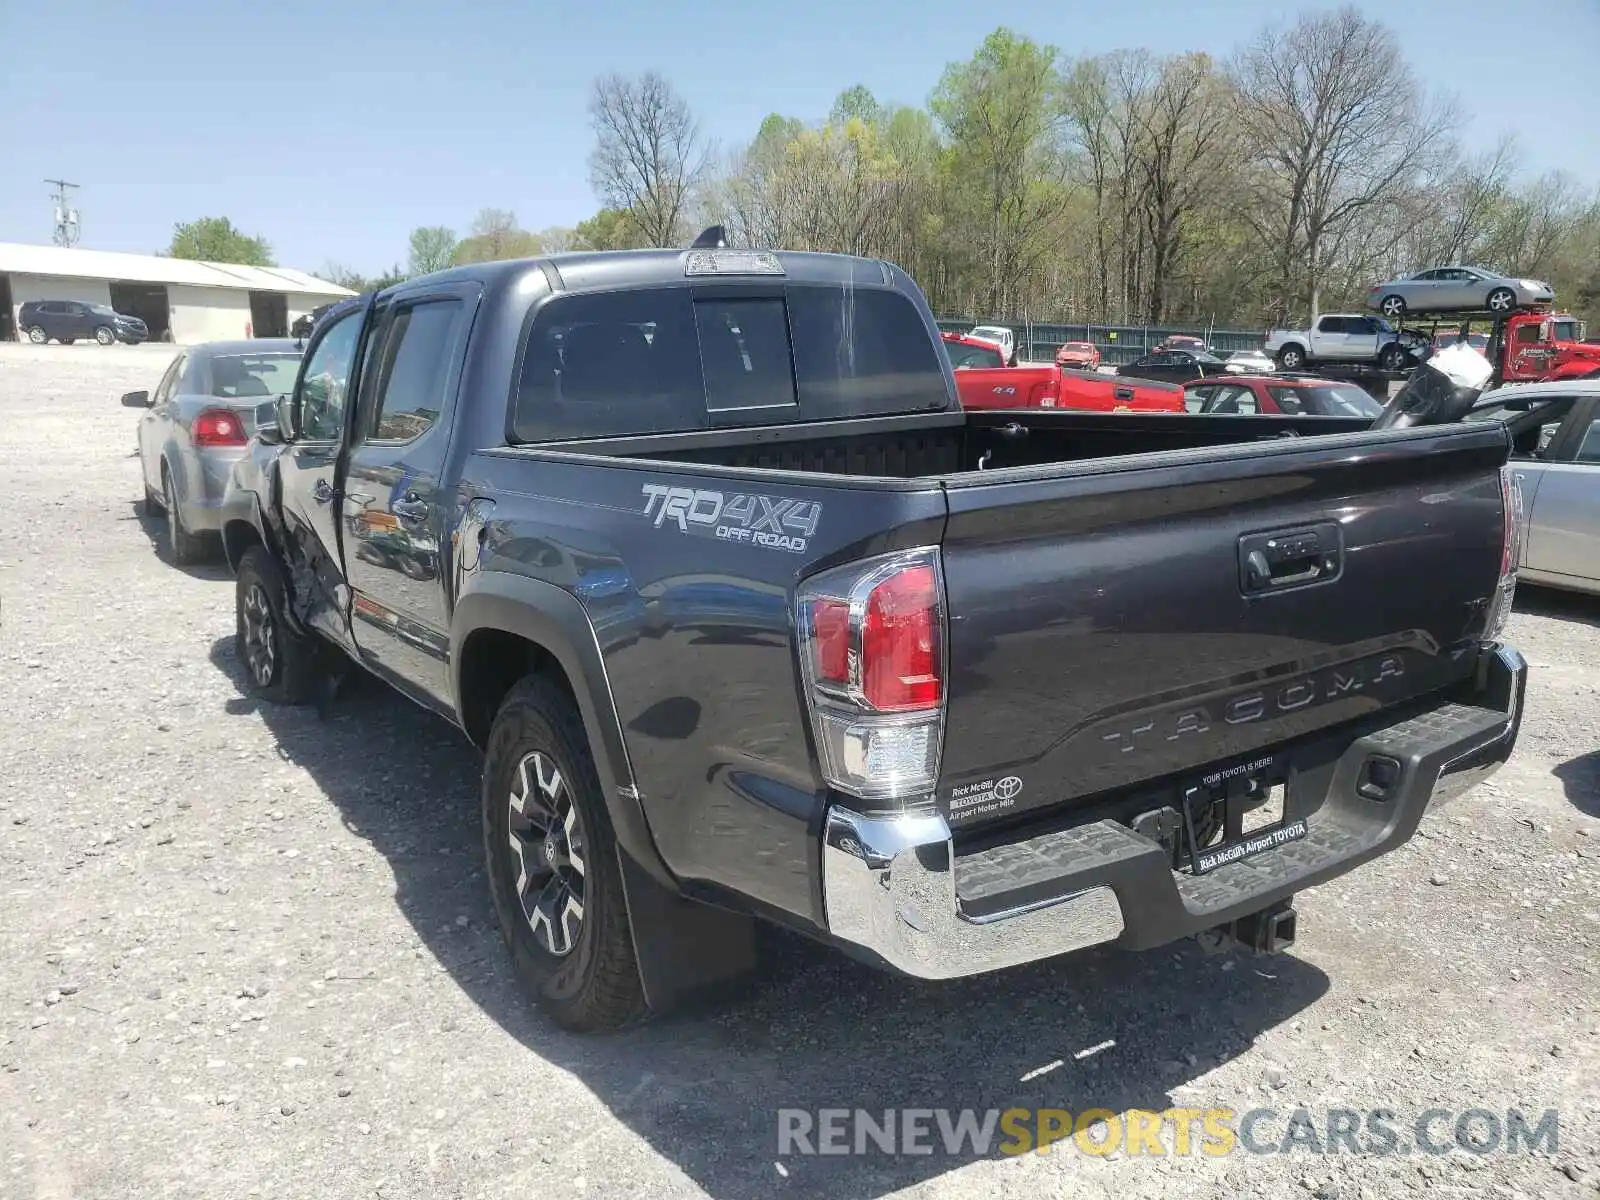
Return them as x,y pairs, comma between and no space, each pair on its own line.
333,128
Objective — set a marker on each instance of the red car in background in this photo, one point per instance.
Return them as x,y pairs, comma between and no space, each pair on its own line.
1078,356
1298,395
982,381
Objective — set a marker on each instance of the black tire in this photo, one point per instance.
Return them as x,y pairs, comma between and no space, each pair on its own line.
152,503
289,675
594,983
183,548
1392,307
1392,357
105,335
1291,358
37,335
1501,300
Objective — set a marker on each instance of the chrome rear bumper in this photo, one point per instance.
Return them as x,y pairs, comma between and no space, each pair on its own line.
890,883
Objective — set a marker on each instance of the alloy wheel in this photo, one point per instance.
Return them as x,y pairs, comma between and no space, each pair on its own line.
1393,306
260,647
547,847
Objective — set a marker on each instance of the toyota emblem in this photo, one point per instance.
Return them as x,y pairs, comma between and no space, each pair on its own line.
1008,787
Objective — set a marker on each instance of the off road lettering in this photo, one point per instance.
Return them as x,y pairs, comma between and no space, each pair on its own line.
771,522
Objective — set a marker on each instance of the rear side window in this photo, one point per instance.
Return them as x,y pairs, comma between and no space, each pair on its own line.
1334,325
665,361
412,366
964,357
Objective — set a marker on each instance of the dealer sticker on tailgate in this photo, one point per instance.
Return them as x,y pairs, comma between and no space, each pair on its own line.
1255,843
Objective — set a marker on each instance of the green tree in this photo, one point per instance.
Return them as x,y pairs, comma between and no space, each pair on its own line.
1002,111
608,229
495,236
433,248
214,239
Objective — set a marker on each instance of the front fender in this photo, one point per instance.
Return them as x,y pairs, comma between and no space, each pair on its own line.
550,617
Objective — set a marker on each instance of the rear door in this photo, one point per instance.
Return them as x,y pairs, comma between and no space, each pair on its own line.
1329,338
154,424
396,514
308,469
1563,534
1105,630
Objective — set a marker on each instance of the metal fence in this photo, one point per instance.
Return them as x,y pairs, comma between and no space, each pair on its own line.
1118,343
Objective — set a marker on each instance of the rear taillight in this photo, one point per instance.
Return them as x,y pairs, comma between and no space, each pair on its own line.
1510,552
218,427
872,648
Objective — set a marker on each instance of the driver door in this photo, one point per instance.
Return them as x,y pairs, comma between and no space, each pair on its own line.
308,471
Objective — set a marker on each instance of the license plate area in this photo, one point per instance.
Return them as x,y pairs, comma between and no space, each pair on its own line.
1237,813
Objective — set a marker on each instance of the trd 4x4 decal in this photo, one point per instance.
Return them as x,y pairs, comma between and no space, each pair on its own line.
774,522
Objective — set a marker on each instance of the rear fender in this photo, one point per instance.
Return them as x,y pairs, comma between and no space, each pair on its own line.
683,947
553,619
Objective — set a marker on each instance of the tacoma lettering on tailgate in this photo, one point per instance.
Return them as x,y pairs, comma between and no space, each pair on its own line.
773,522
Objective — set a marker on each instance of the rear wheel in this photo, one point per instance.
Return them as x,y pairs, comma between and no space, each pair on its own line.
1502,299
104,335
279,664
1291,358
552,862
1392,306
183,547
37,335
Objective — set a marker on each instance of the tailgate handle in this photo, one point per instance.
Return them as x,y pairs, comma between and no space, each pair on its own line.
1289,558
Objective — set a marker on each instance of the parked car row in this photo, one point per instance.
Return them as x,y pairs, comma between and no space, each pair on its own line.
681,557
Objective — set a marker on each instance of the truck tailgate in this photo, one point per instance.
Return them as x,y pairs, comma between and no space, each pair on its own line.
1109,627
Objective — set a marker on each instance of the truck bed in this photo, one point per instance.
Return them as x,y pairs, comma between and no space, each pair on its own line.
1102,635
922,446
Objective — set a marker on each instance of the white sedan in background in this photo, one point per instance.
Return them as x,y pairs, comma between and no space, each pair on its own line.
1249,362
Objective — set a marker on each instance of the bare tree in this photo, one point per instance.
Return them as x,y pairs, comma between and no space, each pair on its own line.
648,153
1336,126
1183,132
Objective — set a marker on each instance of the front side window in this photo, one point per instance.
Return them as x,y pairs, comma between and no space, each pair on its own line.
1589,449
326,382
413,366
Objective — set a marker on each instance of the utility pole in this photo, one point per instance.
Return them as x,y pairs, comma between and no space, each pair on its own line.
66,224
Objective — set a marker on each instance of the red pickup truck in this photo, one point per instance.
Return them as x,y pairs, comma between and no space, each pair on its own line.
984,381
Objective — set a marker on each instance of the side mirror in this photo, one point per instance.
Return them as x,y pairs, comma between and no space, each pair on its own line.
280,426
135,399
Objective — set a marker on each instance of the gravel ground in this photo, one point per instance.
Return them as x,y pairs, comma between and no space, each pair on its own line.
248,951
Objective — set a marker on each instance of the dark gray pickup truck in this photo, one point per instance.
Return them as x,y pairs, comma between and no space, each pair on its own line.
750,620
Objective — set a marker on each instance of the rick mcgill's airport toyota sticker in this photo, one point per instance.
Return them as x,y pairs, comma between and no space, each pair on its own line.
969,800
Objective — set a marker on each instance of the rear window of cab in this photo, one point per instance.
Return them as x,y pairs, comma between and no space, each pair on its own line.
680,358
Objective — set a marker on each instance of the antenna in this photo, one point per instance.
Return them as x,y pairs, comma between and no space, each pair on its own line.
66,219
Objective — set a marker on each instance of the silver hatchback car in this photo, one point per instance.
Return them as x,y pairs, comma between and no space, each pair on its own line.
1457,289
198,423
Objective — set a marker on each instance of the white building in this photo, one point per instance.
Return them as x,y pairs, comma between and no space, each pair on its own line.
178,299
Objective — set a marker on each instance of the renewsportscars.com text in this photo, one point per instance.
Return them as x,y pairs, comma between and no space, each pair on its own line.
1214,1132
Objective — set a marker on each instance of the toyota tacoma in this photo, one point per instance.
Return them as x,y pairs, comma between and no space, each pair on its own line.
752,621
